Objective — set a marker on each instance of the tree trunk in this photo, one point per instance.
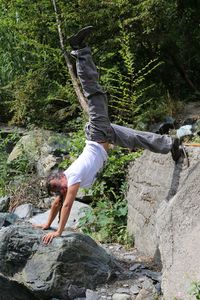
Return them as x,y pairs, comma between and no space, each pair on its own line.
74,79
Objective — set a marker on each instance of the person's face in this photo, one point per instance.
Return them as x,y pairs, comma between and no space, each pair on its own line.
59,186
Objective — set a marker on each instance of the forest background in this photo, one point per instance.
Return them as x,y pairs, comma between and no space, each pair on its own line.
147,53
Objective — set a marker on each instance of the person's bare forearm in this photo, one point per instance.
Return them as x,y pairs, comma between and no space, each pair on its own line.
66,208
67,205
52,214
54,211
65,212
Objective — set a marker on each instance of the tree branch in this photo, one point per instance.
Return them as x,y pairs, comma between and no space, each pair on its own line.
74,79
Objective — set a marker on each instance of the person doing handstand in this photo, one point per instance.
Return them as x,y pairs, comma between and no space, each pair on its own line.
99,134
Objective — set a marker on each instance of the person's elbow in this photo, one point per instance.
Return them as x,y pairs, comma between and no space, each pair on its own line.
67,205
56,204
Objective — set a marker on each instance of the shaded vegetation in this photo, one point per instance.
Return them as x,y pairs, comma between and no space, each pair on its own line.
146,50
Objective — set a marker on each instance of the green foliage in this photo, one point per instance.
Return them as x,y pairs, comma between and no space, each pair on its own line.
195,289
35,83
5,143
107,221
132,99
36,98
196,139
75,147
142,47
15,172
20,166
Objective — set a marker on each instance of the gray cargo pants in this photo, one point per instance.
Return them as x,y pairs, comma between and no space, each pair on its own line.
99,128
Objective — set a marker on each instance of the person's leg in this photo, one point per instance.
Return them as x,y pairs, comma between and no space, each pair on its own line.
99,128
130,138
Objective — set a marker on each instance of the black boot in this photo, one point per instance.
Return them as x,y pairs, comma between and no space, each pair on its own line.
77,41
176,150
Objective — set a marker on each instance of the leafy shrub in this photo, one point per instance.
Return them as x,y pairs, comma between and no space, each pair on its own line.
5,143
195,289
17,178
16,173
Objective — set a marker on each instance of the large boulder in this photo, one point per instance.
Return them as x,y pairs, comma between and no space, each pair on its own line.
178,229
4,203
49,271
12,290
7,219
149,180
164,216
43,149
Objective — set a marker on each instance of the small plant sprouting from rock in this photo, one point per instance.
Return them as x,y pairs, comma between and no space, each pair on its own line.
195,289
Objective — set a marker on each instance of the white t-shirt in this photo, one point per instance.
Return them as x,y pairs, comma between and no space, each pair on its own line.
85,168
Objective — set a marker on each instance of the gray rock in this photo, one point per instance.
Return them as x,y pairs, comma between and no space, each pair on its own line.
148,284
118,296
191,110
148,291
123,291
158,287
145,295
12,290
128,256
74,291
178,227
24,211
142,278
156,276
7,219
163,216
91,295
135,267
46,202
78,211
149,182
49,271
135,289
44,150
4,203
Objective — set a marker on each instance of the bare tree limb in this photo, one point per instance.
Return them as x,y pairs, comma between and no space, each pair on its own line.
74,79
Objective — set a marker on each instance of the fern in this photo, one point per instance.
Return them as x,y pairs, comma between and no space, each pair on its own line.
130,95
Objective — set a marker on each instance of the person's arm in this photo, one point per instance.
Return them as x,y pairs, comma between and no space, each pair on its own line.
52,214
66,208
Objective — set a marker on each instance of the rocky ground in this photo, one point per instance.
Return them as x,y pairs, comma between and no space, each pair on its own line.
136,278
139,278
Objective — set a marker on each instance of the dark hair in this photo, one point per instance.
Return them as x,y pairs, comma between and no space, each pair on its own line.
56,174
